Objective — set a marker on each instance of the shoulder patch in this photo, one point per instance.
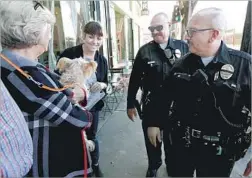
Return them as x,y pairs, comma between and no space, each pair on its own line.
240,54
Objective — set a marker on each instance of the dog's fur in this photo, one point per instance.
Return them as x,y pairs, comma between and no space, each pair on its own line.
76,71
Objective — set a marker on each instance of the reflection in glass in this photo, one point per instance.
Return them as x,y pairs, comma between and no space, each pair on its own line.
68,21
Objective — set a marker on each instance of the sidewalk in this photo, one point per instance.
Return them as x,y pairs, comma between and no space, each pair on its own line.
122,147
121,108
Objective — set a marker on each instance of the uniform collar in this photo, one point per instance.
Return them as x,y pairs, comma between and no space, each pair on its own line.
221,58
222,54
171,43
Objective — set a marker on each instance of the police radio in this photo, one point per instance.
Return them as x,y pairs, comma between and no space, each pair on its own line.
172,54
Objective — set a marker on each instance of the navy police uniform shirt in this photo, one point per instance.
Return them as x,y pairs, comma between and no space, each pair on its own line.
151,68
211,98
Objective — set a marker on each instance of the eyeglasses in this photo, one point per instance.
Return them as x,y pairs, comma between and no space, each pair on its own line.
158,28
191,31
37,4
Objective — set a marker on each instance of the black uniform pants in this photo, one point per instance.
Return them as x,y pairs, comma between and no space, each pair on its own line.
199,157
154,153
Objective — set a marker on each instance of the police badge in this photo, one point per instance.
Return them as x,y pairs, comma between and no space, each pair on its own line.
177,53
169,55
226,71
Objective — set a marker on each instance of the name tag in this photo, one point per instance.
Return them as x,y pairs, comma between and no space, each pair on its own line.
151,62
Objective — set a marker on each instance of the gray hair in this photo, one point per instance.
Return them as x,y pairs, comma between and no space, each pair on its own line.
21,24
215,17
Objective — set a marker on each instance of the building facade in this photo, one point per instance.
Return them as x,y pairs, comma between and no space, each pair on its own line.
126,29
120,21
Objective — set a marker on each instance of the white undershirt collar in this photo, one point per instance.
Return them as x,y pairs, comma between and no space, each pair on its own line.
207,60
163,45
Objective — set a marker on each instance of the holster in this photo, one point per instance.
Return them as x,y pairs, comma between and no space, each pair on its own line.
237,145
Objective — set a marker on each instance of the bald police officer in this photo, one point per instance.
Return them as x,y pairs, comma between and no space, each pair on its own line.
151,67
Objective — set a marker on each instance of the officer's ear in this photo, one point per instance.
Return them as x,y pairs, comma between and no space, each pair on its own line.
215,34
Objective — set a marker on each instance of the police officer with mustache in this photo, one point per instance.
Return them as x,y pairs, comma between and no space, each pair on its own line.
210,88
152,64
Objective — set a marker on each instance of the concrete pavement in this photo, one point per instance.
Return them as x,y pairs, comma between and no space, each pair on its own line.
122,148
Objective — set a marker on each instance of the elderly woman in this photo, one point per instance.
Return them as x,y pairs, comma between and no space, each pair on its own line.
92,41
55,124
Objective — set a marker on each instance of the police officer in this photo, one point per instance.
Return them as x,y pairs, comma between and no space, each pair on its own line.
152,64
211,92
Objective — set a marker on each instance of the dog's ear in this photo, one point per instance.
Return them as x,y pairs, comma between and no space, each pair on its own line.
63,64
89,68
93,65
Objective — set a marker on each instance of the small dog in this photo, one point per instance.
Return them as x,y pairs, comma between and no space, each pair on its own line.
77,71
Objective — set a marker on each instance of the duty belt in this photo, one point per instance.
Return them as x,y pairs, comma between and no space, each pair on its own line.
231,145
198,134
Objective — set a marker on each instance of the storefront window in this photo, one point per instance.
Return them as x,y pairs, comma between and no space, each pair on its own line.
68,18
67,31
58,34
104,27
71,17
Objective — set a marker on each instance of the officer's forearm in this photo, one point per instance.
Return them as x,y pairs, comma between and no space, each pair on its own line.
130,104
132,91
134,83
154,122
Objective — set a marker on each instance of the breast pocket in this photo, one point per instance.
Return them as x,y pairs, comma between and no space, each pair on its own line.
228,93
153,64
153,68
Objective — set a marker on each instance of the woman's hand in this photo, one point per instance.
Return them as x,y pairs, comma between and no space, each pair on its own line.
98,86
90,145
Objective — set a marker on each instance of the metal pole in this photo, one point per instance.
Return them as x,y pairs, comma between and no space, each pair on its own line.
189,10
51,56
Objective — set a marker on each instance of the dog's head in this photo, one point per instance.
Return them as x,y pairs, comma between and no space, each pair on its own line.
75,70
